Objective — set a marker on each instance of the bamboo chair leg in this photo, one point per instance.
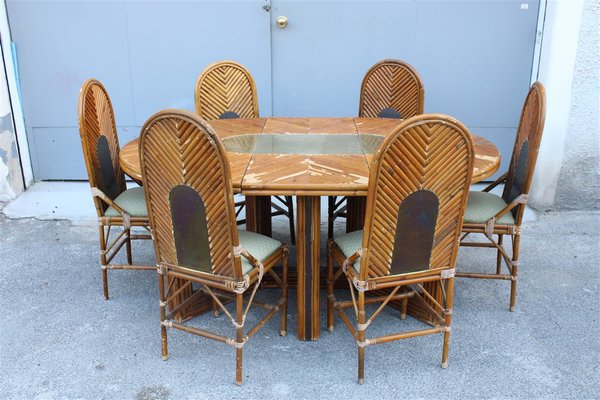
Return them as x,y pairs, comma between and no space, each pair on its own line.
330,219
163,305
128,246
403,309
513,282
284,294
239,304
329,289
215,307
290,205
448,320
499,256
103,261
361,338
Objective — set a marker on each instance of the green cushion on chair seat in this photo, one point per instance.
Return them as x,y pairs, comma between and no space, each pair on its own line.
132,201
349,243
484,205
260,246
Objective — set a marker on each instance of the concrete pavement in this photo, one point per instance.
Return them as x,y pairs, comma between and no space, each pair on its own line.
60,339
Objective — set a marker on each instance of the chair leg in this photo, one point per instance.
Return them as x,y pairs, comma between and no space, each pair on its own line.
361,338
290,205
329,289
103,261
284,294
403,309
163,306
215,307
330,218
515,261
128,246
499,256
239,304
448,320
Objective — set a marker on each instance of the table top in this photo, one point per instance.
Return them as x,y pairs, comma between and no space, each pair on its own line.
272,156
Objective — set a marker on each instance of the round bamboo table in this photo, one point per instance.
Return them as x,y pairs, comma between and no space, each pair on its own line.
307,158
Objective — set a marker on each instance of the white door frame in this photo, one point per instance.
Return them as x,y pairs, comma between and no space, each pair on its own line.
15,98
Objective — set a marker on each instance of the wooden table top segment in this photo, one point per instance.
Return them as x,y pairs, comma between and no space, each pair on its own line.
305,173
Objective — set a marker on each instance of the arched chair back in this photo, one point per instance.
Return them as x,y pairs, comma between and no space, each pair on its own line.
226,90
418,188
391,89
525,152
189,195
100,142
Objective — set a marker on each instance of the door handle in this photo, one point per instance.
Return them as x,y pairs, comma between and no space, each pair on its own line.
282,21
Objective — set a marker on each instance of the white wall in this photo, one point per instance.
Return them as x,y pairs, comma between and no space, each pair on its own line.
579,181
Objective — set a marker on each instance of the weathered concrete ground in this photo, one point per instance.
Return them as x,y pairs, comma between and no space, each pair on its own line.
60,339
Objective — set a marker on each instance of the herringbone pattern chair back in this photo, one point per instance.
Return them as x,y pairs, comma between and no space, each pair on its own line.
100,141
226,90
527,144
189,193
391,85
418,188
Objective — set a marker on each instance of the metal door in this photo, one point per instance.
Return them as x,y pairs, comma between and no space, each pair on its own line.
147,54
475,57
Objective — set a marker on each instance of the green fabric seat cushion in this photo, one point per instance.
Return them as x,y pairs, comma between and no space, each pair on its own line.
260,246
484,205
132,201
349,243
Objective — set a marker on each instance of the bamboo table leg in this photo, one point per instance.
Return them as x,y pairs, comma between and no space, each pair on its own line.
308,212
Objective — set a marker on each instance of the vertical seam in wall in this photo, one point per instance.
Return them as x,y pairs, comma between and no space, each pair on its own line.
271,55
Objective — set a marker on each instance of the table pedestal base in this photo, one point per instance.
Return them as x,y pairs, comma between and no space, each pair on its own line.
308,238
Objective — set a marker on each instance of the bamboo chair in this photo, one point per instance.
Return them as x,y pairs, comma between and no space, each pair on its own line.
196,240
418,185
226,90
489,214
116,205
390,89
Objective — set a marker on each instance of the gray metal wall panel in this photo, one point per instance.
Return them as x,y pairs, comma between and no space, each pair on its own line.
172,42
62,43
60,149
320,58
474,56
147,54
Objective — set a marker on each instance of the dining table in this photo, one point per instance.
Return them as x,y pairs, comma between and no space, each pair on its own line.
307,158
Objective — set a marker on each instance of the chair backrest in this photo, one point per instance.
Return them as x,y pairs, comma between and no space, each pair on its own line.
391,89
100,142
418,187
189,194
225,90
527,144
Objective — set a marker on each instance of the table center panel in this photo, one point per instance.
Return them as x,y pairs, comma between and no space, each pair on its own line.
303,144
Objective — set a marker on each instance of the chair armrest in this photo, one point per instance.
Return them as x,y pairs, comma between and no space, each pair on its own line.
102,196
498,181
489,225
